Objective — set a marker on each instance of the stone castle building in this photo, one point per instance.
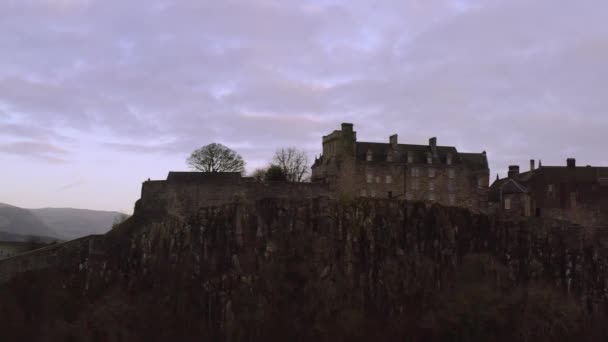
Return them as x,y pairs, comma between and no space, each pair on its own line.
572,193
391,170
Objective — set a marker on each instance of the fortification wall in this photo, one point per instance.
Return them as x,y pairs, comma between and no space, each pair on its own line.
63,256
185,196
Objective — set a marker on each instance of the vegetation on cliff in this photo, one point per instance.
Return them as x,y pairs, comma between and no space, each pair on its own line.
319,270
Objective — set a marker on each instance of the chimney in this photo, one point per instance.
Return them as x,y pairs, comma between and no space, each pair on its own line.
393,140
531,164
347,127
571,162
433,145
513,171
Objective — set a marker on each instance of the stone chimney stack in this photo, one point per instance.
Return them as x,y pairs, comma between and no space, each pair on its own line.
513,171
532,164
347,127
433,145
393,140
571,162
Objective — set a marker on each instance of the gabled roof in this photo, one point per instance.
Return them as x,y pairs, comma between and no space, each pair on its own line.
505,186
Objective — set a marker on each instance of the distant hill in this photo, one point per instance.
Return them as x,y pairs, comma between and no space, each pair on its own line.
18,221
17,224
73,223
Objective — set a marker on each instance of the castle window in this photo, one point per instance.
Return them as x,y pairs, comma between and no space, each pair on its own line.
373,193
449,159
377,179
370,178
480,183
431,186
415,184
452,199
573,200
389,179
452,173
507,204
410,157
389,157
429,158
431,173
363,192
408,196
431,196
415,172
368,157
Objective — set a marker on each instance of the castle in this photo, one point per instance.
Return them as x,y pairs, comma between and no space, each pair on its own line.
430,172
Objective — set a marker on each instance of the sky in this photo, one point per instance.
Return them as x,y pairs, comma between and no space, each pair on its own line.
97,96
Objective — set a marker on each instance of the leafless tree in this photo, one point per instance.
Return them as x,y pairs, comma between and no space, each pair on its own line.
259,174
216,158
294,163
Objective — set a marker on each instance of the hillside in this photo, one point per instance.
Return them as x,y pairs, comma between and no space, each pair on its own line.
313,270
73,223
22,222
18,224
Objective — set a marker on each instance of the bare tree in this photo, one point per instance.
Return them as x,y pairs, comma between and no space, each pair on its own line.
294,163
216,158
259,174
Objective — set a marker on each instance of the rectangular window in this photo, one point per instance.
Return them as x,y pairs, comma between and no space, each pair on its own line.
377,179
452,199
410,157
389,157
389,179
363,193
408,196
507,203
449,159
369,156
550,187
431,196
429,159
431,172
573,199
373,193
452,173
370,178
431,186
415,172
416,184
480,183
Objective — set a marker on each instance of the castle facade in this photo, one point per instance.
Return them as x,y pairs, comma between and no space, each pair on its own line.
430,172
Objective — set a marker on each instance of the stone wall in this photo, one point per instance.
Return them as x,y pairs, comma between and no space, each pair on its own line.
70,255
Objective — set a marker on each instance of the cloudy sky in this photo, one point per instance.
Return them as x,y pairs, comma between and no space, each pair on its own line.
97,96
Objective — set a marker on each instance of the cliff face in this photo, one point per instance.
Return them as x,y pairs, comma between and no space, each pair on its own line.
315,270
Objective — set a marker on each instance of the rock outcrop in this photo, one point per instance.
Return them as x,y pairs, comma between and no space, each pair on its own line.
315,269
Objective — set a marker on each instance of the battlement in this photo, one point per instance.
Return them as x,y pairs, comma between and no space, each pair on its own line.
185,191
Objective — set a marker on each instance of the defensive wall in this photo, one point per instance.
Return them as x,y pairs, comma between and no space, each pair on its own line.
187,191
68,256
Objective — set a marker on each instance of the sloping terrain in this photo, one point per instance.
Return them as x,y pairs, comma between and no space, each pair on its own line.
22,222
73,223
312,270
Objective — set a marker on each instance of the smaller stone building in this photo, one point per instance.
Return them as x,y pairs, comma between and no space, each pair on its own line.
576,194
430,172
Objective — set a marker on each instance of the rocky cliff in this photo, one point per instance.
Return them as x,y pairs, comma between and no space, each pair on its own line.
313,269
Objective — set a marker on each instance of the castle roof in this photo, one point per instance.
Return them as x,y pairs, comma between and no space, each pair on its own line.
194,177
419,154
